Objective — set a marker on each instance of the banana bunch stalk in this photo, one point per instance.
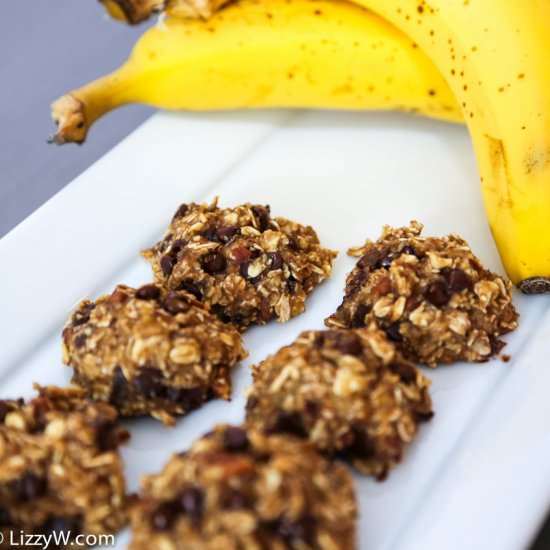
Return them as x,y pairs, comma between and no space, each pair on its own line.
491,56
137,11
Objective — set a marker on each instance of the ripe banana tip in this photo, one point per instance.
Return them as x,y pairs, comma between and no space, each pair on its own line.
535,285
69,115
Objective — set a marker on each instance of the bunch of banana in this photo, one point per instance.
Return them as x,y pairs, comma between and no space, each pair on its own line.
268,53
493,54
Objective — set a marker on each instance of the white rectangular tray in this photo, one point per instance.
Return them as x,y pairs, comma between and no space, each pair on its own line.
478,475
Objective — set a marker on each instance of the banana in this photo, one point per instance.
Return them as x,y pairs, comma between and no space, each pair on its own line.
267,53
495,55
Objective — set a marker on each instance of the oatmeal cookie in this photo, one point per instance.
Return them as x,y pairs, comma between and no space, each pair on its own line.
151,351
59,465
431,295
348,391
236,489
246,266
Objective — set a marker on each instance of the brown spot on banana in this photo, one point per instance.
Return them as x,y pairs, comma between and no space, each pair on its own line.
537,160
499,161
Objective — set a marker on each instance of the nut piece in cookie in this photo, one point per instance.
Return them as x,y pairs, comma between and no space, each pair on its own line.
151,351
244,265
431,295
59,466
243,489
349,392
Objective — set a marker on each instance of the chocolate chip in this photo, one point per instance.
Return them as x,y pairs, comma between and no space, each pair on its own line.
225,234
311,411
106,435
348,343
235,440
119,387
358,319
413,302
177,247
385,262
457,280
83,314
293,244
191,501
31,486
167,264
274,261
163,245
80,340
4,410
40,408
298,530
148,383
405,371
363,446
290,422
181,211
243,270
163,516
211,234
233,317
233,499
175,305
437,293
193,288
148,292
291,283
496,345
423,416
188,398
356,282
393,333
261,213
213,262
409,249
369,259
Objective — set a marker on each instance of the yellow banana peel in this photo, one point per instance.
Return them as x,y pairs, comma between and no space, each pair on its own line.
495,55
269,53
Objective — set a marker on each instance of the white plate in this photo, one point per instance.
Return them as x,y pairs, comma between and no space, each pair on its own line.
477,477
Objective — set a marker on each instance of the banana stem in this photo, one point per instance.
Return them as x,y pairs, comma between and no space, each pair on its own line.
132,11
137,11
75,112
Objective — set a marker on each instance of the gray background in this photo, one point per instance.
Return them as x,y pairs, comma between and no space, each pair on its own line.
48,48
